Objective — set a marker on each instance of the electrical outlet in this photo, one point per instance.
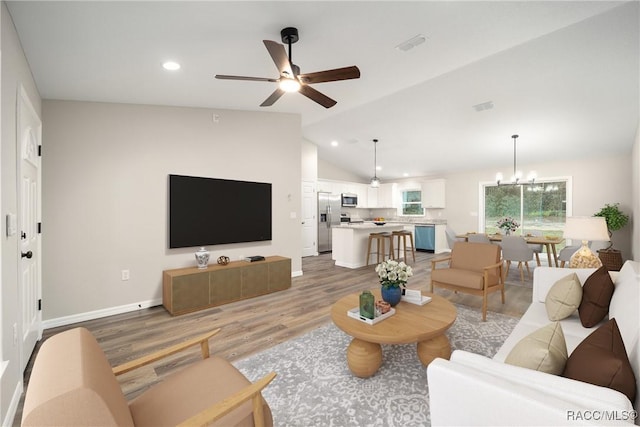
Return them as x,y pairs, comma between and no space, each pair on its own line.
125,275
15,334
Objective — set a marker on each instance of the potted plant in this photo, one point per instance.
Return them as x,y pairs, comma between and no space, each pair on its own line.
393,275
508,224
616,219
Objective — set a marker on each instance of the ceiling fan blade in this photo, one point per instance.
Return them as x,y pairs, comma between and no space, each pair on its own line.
316,96
279,56
345,73
252,79
272,98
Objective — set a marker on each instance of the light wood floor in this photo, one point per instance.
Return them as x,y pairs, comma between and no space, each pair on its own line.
253,325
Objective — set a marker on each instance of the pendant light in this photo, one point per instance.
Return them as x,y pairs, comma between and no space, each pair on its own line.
375,182
517,175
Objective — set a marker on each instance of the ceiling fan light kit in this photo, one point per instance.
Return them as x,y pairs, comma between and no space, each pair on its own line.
290,79
517,175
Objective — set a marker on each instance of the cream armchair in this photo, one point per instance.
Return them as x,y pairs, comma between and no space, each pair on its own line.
72,384
473,268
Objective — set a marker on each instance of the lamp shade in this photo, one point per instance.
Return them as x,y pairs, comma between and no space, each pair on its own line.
592,228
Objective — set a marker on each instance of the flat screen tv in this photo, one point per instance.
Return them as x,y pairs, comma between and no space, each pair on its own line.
211,211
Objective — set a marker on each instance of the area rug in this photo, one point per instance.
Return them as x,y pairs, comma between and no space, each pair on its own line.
314,386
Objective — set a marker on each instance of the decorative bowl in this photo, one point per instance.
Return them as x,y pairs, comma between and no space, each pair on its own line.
379,223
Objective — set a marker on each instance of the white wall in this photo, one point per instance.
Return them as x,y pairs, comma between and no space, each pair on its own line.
635,185
309,161
595,182
105,193
330,171
15,72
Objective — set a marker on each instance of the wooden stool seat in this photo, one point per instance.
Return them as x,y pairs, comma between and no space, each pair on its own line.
380,239
403,234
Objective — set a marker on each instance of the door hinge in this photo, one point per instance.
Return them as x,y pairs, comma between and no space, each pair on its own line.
39,228
40,304
39,150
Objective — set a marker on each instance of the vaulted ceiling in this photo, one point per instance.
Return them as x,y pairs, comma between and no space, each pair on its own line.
564,75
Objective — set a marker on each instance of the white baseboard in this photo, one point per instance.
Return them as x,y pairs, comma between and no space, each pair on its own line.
13,406
97,314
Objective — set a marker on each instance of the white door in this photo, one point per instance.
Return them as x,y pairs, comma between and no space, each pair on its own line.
309,222
29,281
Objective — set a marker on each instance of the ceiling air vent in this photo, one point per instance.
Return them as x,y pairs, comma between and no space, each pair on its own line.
484,106
411,43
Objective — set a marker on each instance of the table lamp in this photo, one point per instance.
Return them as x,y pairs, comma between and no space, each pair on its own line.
586,228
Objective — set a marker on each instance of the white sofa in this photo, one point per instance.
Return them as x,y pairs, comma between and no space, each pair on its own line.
470,389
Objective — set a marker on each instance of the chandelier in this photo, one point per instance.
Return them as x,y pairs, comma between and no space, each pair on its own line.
517,175
375,182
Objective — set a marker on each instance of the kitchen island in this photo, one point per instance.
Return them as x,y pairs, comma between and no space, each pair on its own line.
350,242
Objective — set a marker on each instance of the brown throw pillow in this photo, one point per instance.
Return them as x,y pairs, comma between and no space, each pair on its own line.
601,359
596,296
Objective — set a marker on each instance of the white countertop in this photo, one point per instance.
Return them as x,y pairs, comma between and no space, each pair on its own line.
366,226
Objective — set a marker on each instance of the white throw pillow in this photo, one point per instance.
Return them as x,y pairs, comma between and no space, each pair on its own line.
564,297
543,350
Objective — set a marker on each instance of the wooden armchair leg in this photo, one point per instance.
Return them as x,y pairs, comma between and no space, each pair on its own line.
484,309
537,258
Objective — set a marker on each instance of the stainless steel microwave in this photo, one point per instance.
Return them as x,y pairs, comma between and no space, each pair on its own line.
349,200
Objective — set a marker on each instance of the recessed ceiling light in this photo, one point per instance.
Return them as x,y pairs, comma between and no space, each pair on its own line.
378,168
171,66
405,174
334,143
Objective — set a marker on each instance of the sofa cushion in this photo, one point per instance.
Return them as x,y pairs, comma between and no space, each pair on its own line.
601,359
596,296
543,350
199,385
564,297
545,277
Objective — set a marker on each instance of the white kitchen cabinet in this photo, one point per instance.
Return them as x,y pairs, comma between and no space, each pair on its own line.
372,197
441,244
324,186
433,194
386,196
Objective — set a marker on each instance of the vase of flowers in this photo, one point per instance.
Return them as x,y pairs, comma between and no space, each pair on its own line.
393,275
508,224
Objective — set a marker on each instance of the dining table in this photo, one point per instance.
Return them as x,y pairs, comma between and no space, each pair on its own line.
548,242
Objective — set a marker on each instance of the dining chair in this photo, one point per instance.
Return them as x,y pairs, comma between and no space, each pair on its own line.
451,237
515,248
478,238
537,248
565,253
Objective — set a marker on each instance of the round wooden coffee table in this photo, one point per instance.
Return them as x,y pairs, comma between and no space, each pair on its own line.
421,324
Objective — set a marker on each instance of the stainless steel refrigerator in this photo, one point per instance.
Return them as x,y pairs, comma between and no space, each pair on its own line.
328,216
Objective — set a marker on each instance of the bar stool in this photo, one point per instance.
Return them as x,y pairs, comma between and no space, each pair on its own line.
380,239
403,234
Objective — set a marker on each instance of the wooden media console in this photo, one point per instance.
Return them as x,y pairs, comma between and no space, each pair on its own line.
185,290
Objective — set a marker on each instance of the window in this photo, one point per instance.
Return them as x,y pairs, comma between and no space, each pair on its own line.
540,208
412,202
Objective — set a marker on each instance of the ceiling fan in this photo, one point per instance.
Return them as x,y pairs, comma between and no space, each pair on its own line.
290,79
